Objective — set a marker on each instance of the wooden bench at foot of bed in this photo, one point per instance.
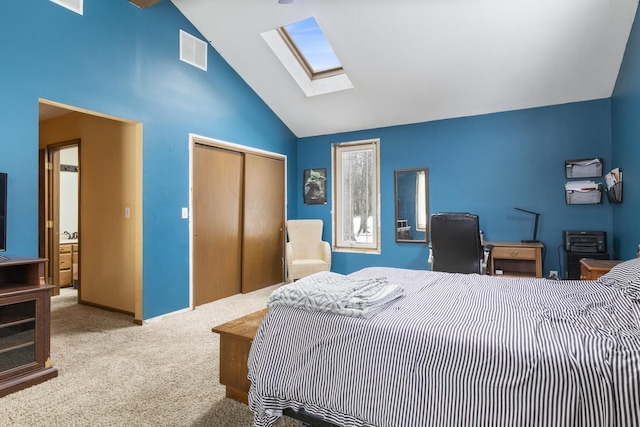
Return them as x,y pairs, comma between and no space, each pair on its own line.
236,337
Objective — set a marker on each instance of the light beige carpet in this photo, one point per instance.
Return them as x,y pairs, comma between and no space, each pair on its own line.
114,373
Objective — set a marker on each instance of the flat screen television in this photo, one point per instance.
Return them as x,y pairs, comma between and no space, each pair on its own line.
3,212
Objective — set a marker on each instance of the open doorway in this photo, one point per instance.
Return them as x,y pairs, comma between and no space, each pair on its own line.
62,208
109,233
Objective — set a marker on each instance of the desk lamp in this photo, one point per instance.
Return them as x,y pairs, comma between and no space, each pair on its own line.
535,226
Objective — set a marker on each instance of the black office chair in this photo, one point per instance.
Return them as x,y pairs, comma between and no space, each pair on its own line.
455,245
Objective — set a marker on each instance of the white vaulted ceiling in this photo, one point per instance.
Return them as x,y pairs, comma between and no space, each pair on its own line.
413,61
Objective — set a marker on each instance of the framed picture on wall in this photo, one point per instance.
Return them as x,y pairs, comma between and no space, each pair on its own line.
314,189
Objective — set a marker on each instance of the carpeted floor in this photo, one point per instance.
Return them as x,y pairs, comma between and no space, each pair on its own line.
114,373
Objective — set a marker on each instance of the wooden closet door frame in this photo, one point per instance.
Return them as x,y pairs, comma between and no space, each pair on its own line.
218,143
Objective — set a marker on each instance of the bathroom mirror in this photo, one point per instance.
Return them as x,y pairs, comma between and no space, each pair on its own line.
412,205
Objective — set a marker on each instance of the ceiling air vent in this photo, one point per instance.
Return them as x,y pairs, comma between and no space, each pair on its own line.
193,50
74,5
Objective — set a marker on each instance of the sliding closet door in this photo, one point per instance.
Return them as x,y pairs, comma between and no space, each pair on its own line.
263,246
217,223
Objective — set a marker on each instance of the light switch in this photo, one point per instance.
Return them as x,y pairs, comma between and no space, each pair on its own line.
127,212
185,213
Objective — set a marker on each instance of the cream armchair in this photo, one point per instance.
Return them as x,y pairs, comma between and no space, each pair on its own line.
307,253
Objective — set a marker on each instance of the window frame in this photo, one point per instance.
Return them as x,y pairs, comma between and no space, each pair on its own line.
338,244
312,83
299,55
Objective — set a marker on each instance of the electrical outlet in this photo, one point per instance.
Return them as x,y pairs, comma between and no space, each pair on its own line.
553,273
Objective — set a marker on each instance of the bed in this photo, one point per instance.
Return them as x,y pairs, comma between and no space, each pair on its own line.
458,350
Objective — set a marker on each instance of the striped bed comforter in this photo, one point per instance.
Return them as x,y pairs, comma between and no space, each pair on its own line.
456,350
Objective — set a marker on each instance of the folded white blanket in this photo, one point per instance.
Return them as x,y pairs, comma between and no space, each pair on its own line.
336,293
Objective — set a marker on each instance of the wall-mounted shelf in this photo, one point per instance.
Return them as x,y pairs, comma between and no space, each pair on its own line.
583,168
614,185
614,194
583,193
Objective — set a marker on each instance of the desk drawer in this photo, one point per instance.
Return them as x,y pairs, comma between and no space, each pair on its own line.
65,249
513,253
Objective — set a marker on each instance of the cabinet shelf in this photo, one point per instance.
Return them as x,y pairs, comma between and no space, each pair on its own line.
17,347
15,337
11,288
16,322
17,357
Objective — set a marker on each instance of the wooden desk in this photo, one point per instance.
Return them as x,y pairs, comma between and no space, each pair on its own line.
236,337
516,259
591,269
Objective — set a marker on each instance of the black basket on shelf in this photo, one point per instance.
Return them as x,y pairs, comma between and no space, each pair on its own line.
614,193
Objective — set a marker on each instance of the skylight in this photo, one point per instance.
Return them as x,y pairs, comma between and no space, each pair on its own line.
307,56
310,46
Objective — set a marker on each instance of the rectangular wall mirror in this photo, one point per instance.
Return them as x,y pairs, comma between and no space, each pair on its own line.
412,205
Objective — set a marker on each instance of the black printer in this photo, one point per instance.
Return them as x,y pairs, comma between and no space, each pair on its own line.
585,241
583,244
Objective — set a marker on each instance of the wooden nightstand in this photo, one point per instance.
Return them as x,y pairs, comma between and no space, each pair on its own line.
515,259
591,269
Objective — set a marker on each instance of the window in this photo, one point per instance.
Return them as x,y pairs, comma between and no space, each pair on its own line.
308,43
306,54
356,212
421,201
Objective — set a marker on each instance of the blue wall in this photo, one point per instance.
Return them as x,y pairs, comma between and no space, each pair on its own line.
625,132
486,165
123,61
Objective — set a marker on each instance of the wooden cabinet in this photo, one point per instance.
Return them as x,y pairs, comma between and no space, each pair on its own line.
591,269
65,264
515,259
74,264
25,304
68,263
